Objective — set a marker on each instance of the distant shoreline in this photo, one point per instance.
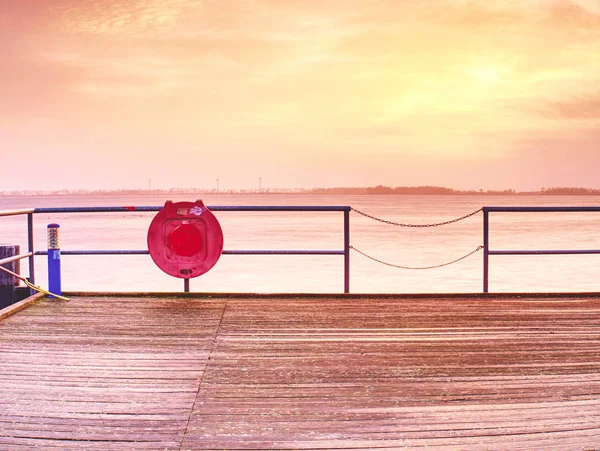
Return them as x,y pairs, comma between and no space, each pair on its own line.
369,191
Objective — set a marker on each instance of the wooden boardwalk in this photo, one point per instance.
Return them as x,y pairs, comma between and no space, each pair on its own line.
168,373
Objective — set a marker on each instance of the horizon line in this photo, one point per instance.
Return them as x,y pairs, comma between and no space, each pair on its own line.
379,189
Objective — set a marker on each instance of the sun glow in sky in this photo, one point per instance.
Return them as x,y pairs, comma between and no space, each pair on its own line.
467,94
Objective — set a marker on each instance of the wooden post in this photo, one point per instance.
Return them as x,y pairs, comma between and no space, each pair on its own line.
9,283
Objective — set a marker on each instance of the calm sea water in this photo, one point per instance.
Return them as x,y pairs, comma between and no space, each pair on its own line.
264,274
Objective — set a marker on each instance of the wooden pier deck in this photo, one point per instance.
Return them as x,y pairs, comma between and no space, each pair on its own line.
173,373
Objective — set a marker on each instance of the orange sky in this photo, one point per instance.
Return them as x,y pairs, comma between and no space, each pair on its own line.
475,94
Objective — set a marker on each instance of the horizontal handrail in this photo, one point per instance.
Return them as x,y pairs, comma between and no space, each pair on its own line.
6,260
283,252
23,211
225,252
275,208
100,252
546,252
540,209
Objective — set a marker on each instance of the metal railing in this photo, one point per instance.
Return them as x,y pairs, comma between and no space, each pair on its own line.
486,235
487,252
345,251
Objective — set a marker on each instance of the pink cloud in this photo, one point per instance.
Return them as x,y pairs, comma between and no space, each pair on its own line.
575,108
568,14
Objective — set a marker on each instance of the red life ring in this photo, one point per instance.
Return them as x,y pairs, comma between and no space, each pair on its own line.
185,239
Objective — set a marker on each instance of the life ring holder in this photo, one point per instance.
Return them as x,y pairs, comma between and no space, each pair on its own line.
185,239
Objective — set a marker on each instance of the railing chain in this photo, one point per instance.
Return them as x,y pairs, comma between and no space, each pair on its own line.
400,224
417,267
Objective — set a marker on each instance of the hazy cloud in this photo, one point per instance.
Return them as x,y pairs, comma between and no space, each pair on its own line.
578,107
110,17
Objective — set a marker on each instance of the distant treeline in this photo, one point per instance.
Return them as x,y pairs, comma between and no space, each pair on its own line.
375,190
560,191
431,190
441,191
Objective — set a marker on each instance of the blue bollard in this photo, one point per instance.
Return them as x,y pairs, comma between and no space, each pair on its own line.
54,278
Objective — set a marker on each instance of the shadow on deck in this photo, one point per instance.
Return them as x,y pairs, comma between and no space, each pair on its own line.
171,373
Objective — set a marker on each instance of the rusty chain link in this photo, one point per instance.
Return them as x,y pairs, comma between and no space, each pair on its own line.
437,224
417,267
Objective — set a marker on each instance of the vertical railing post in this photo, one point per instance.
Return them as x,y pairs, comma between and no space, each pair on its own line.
347,251
54,276
30,249
486,249
186,285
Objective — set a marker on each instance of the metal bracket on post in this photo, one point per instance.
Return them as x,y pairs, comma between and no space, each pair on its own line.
54,276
